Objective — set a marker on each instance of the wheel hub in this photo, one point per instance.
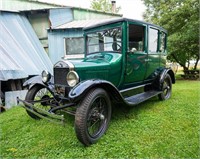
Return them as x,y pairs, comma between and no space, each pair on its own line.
96,116
101,116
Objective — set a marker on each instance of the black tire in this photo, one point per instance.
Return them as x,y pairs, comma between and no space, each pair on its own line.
166,88
93,116
35,93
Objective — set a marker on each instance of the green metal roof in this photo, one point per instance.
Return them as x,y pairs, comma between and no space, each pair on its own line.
25,5
22,5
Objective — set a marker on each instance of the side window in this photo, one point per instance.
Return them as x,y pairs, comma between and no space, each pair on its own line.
153,40
136,38
162,42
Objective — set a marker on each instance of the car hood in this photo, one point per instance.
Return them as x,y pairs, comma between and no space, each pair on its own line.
99,66
94,61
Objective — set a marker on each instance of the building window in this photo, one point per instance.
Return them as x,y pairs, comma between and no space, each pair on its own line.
153,40
74,46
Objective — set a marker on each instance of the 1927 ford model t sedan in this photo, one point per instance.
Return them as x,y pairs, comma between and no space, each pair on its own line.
121,56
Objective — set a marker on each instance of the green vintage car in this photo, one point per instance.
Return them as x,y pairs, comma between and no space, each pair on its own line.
124,63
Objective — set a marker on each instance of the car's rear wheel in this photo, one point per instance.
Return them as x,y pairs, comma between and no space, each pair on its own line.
93,116
166,88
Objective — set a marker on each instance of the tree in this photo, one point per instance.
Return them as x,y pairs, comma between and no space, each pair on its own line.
103,5
181,19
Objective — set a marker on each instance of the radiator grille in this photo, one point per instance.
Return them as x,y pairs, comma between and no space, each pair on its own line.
60,75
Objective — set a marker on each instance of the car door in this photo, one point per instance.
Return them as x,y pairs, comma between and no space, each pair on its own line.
136,55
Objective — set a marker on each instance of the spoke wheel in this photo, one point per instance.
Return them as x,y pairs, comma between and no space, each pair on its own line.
166,88
39,93
93,116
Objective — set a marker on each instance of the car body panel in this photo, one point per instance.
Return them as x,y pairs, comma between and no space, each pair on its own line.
104,65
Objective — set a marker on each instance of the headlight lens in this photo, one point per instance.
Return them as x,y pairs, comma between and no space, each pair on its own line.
46,76
72,78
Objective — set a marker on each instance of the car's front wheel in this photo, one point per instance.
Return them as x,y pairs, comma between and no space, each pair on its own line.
93,116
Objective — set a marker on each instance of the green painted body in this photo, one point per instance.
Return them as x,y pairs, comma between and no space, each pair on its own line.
107,66
124,69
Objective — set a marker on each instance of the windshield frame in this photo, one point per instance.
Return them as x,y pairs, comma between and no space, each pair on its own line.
95,31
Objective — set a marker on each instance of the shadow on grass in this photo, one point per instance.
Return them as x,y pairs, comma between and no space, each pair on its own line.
120,111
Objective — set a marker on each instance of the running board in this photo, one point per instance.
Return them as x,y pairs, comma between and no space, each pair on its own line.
139,98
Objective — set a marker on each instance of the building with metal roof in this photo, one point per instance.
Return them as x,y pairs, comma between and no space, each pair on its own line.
29,28
22,54
43,15
33,17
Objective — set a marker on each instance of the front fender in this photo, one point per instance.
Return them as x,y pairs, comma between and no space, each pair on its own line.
38,80
80,90
32,81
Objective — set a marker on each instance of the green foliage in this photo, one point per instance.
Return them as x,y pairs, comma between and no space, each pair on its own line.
181,19
103,5
154,129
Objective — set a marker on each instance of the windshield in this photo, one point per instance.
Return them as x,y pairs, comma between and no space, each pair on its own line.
105,40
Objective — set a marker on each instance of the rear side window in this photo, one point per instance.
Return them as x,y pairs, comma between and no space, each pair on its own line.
153,40
162,42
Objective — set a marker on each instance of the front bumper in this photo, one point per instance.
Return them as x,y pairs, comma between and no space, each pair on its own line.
50,116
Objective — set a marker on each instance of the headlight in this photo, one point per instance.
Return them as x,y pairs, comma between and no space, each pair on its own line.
46,76
72,78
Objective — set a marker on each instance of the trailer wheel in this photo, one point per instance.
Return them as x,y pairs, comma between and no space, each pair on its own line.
37,93
93,116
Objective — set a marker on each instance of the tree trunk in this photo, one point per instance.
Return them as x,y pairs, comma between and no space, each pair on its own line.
182,65
196,63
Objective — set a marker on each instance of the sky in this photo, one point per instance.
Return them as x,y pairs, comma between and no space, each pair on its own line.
129,8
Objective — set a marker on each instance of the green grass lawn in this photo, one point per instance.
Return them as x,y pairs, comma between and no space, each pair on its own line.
153,129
